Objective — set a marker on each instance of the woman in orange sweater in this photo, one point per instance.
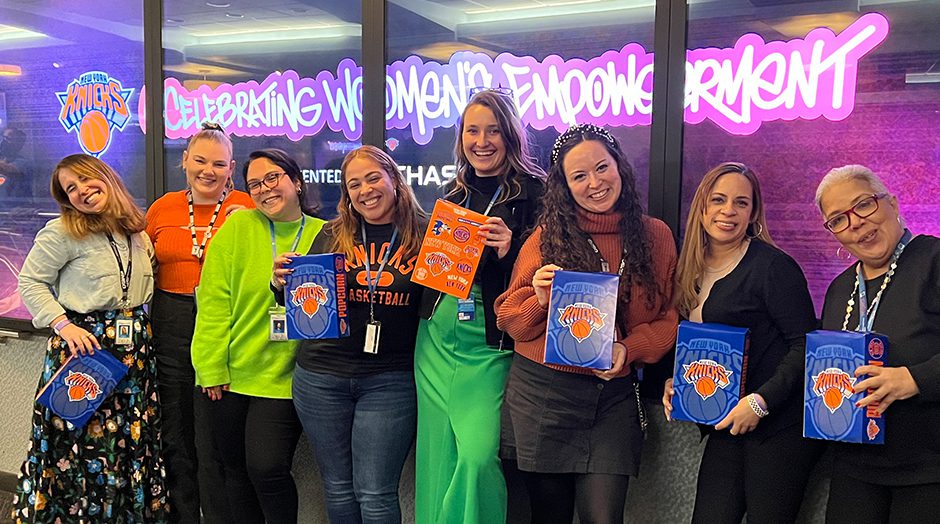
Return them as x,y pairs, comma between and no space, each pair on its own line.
575,432
180,225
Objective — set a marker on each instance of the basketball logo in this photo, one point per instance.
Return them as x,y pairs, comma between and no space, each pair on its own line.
872,430
461,234
706,376
581,319
93,106
834,386
81,386
309,296
876,348
438,262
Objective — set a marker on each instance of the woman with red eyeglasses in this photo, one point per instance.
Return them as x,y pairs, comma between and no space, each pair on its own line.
900,480
240,361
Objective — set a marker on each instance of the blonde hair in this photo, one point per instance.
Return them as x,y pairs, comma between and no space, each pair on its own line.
849,172
691,263
408,212
120,214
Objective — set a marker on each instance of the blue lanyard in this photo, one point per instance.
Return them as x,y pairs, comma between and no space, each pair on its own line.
866,318
303,220
370,285
489,206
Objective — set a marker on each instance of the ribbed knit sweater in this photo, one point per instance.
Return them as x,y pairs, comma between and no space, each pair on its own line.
650,332
168,227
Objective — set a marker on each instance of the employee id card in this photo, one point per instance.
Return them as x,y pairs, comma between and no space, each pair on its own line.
277,321
466,309
373,330
124,331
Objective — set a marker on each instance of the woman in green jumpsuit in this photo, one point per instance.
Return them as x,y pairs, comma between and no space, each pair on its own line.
461,357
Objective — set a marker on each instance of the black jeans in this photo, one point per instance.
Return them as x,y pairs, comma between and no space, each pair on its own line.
257,438
193,464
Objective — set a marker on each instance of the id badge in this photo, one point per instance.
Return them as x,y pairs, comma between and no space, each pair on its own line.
277,324
197,251
373,330
466,309
124,331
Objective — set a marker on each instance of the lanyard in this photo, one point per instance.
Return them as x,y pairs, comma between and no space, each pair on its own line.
866,312
200,248
125,276
489,207
605,267
303,220
372,286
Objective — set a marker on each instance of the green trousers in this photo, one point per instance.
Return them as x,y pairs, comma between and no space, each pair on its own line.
460,381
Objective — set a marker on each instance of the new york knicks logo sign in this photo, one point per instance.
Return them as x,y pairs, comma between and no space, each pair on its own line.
438,262
309,296
81,386
94,106
707,377
581,319
834,386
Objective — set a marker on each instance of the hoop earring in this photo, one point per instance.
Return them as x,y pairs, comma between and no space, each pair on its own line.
843,254
760,230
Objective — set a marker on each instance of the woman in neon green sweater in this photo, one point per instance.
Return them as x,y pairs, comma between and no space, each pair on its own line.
239,366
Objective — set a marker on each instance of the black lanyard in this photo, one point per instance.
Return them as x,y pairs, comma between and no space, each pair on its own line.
372,287
200,248
125,276
605,267
489,207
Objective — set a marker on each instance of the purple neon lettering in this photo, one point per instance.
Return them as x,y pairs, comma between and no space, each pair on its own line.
738,88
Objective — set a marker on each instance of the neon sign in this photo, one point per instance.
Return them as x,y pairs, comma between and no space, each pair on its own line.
738,88
93,106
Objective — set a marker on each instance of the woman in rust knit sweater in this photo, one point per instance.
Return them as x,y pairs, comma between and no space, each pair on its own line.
575,432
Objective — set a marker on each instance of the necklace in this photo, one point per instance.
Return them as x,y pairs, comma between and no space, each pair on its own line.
872,308
735,258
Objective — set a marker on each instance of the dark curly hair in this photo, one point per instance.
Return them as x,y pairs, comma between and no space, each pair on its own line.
564,243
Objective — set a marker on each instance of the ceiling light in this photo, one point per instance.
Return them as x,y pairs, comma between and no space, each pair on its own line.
219,4
234,15
9,32
10,70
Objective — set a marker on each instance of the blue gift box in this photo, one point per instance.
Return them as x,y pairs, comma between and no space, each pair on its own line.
708,379
582,314
829,399
315,297
81,385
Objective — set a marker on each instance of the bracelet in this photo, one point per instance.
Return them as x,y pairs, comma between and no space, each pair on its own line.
60,324
755,404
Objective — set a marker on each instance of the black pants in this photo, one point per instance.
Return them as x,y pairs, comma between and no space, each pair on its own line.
193,464
854,501
763,478
599,498
257,438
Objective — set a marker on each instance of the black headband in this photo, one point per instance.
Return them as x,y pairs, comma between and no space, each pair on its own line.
578,129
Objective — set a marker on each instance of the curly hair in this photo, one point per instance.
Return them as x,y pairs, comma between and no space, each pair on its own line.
564,243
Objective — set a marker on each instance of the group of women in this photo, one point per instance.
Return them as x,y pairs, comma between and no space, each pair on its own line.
465,378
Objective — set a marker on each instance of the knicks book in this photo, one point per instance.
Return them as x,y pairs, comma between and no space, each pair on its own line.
451,250
315,297
829,399
711,363
81,385
582,313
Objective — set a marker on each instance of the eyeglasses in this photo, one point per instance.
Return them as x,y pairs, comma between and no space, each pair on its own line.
499,90
864,208
270,181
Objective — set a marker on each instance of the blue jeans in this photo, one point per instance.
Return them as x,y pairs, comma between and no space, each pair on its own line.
361,430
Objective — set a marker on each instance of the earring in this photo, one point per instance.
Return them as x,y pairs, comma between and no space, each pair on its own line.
760,230
842,254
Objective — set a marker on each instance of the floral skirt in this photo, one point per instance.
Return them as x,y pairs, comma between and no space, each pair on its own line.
111,469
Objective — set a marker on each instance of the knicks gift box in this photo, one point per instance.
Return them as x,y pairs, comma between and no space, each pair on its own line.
81,385
451,250
315,297
582,312
829,399
711,362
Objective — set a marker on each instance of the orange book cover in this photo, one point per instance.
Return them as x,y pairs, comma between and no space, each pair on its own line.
451,250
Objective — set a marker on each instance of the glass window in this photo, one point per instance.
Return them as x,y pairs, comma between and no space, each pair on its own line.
70,79
273,74
564,62
871,97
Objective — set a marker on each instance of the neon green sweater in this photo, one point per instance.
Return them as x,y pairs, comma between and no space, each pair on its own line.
230,345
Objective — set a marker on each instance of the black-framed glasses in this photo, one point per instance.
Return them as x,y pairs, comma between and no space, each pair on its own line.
505,91
269,180
864,208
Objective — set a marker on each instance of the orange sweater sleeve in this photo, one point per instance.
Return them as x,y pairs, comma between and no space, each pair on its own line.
518,311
